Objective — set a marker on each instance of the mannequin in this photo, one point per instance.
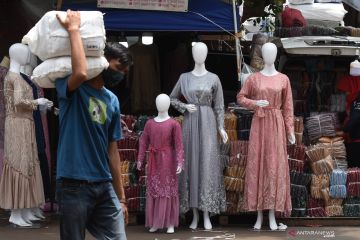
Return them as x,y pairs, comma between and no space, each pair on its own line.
20,167
204,119
266,92
163,139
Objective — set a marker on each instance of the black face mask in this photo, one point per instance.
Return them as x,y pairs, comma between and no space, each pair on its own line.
112,77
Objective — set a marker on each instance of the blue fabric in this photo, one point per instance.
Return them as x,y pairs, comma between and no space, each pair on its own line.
89,120
141,20
40,142
94,207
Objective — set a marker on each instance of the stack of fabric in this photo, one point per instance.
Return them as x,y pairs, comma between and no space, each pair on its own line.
337,150
351,207
296,157
299,182
320,126
299,129
315,207
234,175
230,123
244,118
333,207
338,184
321,161
353,182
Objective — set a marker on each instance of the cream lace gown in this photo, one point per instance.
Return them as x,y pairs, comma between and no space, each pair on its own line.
21,183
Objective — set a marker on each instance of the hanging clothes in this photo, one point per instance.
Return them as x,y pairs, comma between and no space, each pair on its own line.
351,85
21,181
202,181
163,140
267,181
3,72
144,77
40,140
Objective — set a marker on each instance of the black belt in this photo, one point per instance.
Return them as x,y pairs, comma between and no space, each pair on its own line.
71,181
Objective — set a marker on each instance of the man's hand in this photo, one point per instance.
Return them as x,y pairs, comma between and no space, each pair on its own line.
71,21
125,212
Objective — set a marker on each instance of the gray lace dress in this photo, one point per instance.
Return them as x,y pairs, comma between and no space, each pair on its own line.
201,183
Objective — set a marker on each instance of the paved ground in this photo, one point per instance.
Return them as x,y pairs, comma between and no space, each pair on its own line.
49,231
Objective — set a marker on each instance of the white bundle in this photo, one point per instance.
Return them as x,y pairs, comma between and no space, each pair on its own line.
48,39
301,1
47,72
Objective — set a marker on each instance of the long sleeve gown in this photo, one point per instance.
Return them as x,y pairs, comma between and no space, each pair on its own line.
202,181
163,140
267,180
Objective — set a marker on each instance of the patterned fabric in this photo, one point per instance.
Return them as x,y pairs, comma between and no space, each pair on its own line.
202,181
21,182
267,182
163,140
3,72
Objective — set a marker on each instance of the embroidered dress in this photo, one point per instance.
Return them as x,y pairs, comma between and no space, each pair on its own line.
21,182
202,182
163,140
267,181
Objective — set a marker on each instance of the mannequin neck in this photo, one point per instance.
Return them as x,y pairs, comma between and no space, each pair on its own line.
269,70
14,67
162,116
199,69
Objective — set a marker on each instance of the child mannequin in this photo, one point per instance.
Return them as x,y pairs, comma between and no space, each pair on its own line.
163,139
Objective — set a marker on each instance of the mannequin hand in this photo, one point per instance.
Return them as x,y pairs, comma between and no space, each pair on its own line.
191,108
224,135
262,103
44,102
138,166
292,138
71,21
178,170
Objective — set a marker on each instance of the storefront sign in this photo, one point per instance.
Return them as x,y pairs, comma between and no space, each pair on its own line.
162,5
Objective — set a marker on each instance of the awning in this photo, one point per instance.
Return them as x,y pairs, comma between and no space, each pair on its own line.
202,16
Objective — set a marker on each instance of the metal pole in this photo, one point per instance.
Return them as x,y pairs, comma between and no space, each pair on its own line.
237,42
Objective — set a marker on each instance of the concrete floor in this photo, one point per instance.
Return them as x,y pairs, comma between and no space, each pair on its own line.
49,231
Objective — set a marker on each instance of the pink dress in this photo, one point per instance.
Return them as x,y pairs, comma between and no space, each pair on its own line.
267,181
163,141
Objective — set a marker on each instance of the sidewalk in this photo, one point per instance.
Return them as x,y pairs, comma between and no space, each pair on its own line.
49,231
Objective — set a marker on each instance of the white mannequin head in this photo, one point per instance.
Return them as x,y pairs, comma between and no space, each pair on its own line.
162,102
199,52
355,68
19,55
269,52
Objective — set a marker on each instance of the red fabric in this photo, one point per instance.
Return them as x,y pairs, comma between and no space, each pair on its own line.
351,85
292,18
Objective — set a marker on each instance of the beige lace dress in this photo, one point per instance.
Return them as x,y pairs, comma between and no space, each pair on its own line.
21,182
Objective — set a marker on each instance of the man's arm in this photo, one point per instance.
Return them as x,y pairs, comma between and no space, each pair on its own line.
115,169
78,60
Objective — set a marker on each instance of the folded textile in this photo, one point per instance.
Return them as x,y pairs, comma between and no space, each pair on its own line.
320,126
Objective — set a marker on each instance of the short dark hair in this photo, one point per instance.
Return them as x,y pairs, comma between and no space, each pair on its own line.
116,50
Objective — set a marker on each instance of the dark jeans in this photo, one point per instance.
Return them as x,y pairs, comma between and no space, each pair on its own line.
91,206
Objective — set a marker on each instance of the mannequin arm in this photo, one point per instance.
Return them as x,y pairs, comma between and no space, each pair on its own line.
288,109
19,99
143,145
179,147
174,98
218,99
78,60
224,135
291,138
243,97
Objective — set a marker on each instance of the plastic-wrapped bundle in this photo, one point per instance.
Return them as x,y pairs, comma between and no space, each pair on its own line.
296,152
243,135
244,118
129,142
239,147
298,178
235,171
298,212
333,207
315,207
239,160
296,165
352,207
298,129
230,121
323,166
234,184
232,199
335,146
320,126
338,191
128,155
297,192
320,186
353,182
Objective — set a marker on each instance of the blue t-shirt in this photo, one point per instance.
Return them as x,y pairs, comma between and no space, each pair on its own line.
89,120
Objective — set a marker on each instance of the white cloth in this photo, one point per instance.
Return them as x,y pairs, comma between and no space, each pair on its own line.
301,1
47,72
321,11
48,39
